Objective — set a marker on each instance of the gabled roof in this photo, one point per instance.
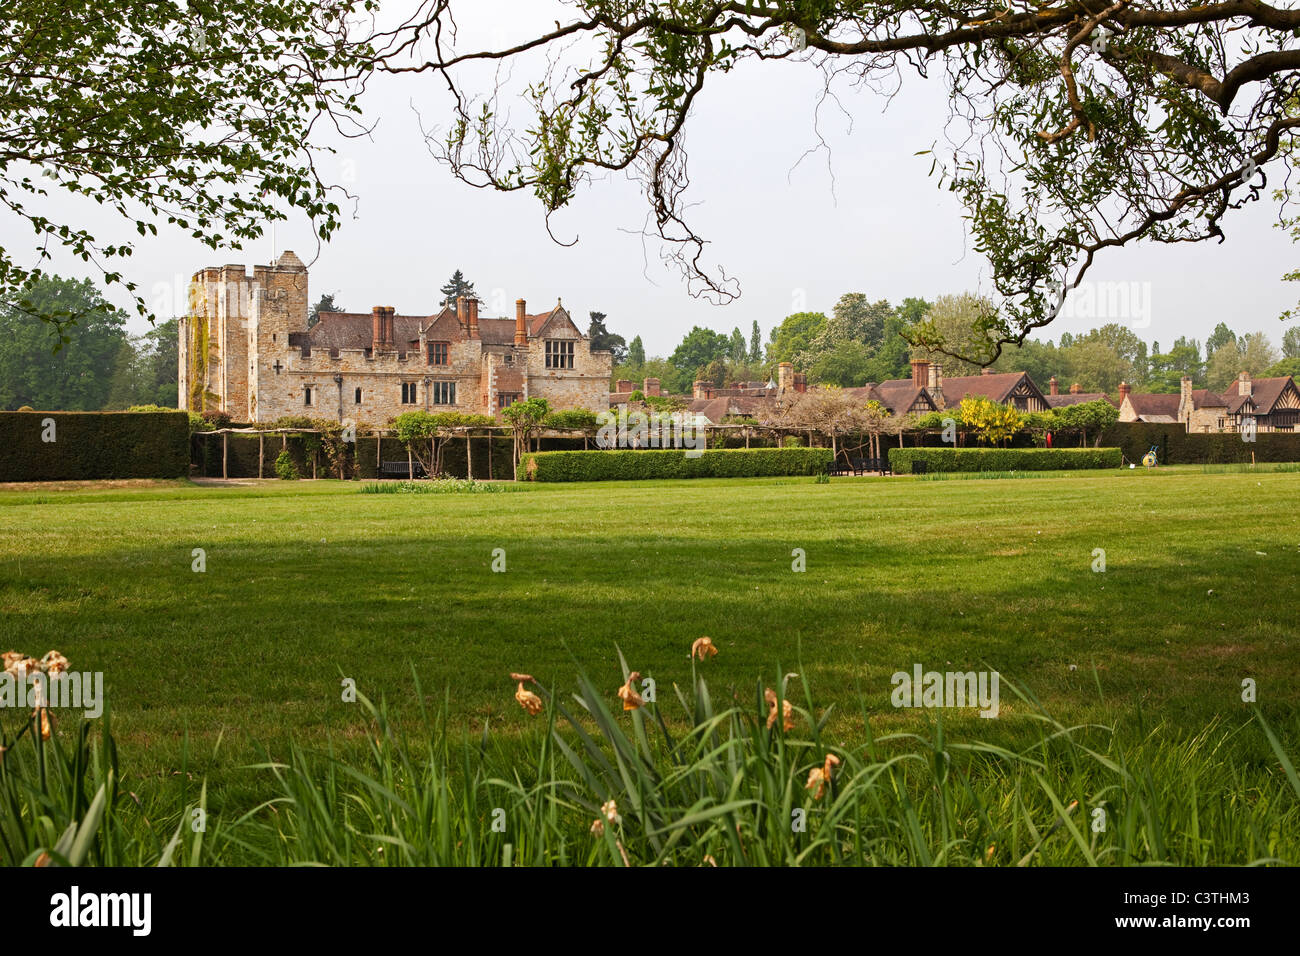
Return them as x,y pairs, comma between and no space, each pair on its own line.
996,387
899,395
539,321
1264,393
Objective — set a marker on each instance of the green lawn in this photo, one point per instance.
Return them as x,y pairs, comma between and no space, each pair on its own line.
311,581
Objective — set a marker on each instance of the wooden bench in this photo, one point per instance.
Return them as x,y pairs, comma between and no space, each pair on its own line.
400,469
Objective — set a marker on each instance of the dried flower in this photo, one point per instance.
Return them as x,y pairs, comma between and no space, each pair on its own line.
787,710
819,777
529,701
11,660
54,663
631,699
703,647
609,813
44,714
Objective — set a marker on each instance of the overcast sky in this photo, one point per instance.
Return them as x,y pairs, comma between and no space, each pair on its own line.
793,239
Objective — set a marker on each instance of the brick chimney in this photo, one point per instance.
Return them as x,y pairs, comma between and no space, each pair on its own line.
1123,391
1076,388
703,389
1185,403
651,386
800,382
521,322
1243,384
932,383
390,319
623,386
473,318
1053,387
784,377
462,312
381,327
920,372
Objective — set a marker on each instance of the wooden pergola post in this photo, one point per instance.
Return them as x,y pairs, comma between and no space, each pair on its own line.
261,452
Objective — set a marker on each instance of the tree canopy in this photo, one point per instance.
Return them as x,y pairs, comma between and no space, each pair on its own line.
197,115
455,287
1078,127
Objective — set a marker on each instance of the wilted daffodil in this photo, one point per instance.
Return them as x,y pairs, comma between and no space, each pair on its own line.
609,811
627,693
54,663
703,648
819,777
529,701
787,710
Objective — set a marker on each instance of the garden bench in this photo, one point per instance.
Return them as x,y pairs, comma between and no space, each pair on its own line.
400,469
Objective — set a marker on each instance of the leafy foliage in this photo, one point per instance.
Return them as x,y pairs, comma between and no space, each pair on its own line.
198,116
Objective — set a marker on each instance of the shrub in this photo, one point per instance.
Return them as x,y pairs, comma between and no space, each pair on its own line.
285,468
216,418
632,465
791,441
1003,459
91,445
571,418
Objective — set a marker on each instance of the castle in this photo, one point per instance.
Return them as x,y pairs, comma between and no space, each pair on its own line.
246,349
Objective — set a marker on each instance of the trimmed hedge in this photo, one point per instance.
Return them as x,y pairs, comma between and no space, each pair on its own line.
91,445
632,465
1003,459
1177,447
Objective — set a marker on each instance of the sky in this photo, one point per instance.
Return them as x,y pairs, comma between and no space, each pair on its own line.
866,216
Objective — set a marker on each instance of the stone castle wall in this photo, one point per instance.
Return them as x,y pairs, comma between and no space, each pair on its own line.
250,370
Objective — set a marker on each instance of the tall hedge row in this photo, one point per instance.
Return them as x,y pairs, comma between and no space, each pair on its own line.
1003,459
1176,447
631,465
92,445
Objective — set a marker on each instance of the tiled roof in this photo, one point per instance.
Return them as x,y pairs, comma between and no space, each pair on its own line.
1151,406
994,387
355,330
1204,398
1076,398
1264,392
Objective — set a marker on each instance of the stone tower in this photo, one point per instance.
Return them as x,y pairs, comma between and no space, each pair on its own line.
234,321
